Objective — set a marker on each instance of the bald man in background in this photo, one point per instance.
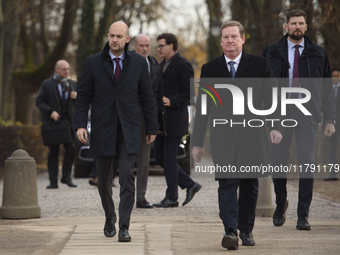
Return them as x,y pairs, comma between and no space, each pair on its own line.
56,102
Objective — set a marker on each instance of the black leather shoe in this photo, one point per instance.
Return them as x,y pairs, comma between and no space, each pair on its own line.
143,204
330,179
230,241
247,239
191,192
109,227
302,223
68,182
166,203
124,236
52,186
279,216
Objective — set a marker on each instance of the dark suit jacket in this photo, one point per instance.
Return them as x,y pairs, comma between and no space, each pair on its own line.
111,102
156,81
176,87
48,99
248,145
314,65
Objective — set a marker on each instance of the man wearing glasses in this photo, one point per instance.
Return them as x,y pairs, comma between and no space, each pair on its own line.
176,74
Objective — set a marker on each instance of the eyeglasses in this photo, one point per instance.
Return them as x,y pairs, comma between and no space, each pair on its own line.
161,46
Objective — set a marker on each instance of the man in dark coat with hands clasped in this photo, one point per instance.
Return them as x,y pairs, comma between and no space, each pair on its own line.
116,83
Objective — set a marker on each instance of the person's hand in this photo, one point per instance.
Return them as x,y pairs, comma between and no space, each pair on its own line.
150,139
82,135
197,153
55,116
329,129
166,101
275,136
73,94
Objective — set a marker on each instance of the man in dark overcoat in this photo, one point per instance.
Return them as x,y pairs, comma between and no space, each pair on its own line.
56,99
117,85
236,145
176,72
304,64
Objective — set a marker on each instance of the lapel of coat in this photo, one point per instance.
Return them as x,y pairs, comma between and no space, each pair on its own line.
173,62
243,66
55,88
222,68
109,69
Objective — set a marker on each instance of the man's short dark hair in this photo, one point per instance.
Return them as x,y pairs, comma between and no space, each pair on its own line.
169,39
296,13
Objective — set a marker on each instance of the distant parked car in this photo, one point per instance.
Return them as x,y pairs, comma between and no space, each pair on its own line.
84,159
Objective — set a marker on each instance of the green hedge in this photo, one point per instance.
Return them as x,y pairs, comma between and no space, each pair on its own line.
27,137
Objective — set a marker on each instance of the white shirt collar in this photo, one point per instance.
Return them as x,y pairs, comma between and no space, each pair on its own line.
236,60
122,56
291,45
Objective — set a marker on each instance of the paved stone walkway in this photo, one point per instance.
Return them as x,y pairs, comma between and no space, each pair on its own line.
72,221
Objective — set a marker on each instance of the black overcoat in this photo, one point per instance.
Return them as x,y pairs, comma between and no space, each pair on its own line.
111,101
176,87
313,64
48,99
247,146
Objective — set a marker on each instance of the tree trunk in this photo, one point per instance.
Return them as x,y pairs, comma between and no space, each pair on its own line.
2,34
42,11
86,35
215,17
104,24
28,82
11,34
331,30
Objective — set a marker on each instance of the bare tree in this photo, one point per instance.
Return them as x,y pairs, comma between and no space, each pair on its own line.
215,18
10,30
261,20
2,37
86,34
330,30
27,82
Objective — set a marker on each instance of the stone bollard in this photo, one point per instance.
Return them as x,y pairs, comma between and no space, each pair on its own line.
264,207
20,196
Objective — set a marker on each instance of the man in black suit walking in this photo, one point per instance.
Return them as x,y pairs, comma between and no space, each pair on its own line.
56,101
116,83
176,74
236,145
306,65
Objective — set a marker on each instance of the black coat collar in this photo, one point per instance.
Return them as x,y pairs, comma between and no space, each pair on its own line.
107,59
282,46
173,62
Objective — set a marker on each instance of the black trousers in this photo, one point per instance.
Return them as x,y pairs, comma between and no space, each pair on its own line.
126,181
238,214
53,160
305,133
165,150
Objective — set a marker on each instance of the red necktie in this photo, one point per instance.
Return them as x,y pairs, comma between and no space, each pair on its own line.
118,69
295,82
